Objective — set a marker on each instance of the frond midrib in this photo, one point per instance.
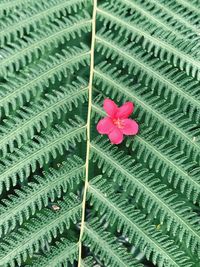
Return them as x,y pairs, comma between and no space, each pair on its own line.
88,129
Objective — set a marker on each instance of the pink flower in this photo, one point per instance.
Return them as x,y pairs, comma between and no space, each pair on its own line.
116,124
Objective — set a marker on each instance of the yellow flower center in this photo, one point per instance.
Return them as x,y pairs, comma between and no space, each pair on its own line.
119,123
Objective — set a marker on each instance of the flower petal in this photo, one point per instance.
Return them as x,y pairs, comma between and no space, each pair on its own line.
125,110
116,136
130,127
105,125
110,107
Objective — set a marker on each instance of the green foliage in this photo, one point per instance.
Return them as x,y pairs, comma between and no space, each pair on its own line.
41,13
104,245
19,54
28,120
25,202
69,198
133,224
49,145
37,232
19,90
58,255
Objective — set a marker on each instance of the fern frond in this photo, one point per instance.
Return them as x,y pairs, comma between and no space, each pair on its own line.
159,201
154,29
89,262
20,89
161,16
181,56
17,55
175,166
7,6
20,164
185,9
26,121
104,246
154,111
158,247
193,4
61,254
159,154
179,89
143,208
25,202
34,17
33,235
